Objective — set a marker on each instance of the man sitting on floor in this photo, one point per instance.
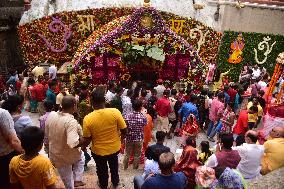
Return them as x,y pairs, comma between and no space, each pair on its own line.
167,179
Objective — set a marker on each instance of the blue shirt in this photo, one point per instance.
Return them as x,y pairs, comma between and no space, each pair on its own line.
187,109
227,98
50,95
174,181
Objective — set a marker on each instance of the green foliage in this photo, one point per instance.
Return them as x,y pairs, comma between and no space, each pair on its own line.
251,41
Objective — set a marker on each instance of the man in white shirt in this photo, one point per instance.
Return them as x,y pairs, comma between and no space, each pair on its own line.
52,70
160,88
255,72
251,154
110,92
64,133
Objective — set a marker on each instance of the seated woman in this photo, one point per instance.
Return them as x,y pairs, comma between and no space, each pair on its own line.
205,152
189,128
188,162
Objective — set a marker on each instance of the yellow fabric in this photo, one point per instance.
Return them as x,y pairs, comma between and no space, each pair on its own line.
103,126
252,118
36,173
37,71
217,85
259,108
273,157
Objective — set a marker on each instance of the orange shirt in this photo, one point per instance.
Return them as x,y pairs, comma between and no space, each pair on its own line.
148,129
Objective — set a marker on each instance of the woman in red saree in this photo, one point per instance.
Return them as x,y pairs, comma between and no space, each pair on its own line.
188,162
189,128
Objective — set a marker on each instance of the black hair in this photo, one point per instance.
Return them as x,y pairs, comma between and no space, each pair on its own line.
68,102
31,81
118,89
205,147
12,103
240,140
227,140
226,88
191,141
52,83
254,108
48,105
111,84
166,161
144,93
252,137
203,92
156,154
210,94
160,135
220,95
137,105
166,92
218,171
31,139
193,97
129,92
98,96
154,91
173,92
123,83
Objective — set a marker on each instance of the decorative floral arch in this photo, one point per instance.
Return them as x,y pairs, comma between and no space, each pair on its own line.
146,33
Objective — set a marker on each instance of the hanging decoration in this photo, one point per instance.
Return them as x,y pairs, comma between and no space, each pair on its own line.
236,50
261,46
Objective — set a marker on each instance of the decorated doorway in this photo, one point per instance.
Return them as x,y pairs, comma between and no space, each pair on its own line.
141,47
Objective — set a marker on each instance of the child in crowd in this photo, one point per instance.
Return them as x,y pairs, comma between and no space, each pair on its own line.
48,106
32,96
252,117
190,128
31,170
205,152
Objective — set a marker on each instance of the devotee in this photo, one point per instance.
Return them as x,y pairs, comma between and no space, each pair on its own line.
225,156
151,103
160,88
259,113
163,108
232,91
126,103
273,157
173,115
104,127
63,134
32,96
255,72
251,154
167,179
189,128
215,113
48,107
52,71
205,152
226,95
201,107
255,87
188,162
110,92
10,145
228,119
14,104
238,100
32,170
189,107
228,178
159,146
40,93
50,94
241,126
13,78
63,92
136,122
148,136
116,101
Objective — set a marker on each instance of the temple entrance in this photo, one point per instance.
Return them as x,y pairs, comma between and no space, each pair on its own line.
147,70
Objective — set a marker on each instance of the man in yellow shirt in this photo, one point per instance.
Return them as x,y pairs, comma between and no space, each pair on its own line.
103,127
31,170
273,157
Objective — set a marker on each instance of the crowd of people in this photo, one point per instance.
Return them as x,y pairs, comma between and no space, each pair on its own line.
123,117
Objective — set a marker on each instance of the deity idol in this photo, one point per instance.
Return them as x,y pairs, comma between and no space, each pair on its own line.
236,50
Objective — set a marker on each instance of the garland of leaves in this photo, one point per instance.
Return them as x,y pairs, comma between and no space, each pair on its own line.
251,40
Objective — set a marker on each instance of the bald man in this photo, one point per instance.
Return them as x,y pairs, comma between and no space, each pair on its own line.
167,179
251,154
273,157
63,133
